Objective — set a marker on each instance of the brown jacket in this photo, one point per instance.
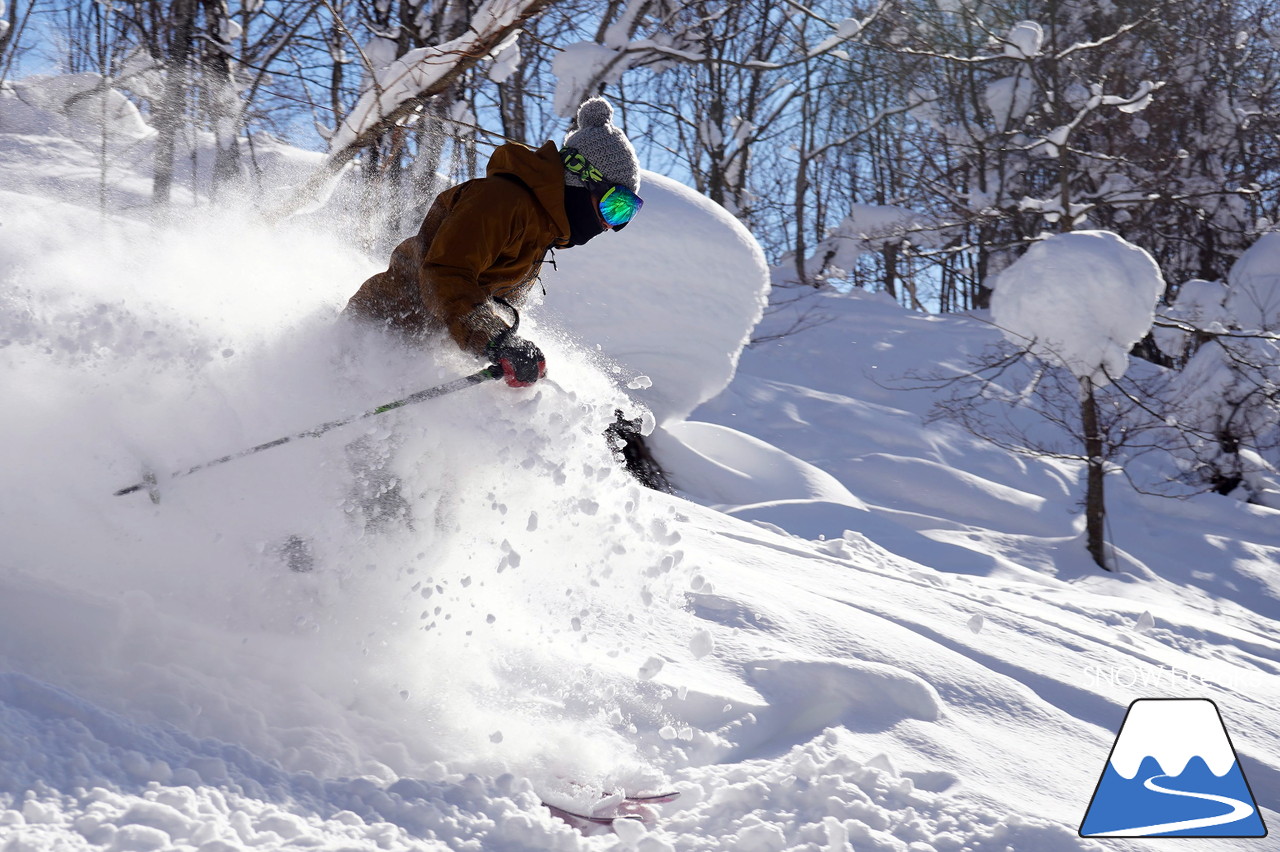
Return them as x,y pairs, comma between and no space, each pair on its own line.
481,239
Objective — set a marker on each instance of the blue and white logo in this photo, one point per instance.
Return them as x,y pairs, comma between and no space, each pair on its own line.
1173,773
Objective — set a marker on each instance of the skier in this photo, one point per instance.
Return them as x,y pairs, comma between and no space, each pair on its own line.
483,242
476,257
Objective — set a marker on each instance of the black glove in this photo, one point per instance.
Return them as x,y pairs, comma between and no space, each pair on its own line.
522,362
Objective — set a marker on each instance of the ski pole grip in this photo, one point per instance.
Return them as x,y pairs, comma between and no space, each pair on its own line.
493,371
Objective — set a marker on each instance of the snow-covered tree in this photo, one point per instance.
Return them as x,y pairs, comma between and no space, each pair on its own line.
1223,406
1080,301
1153,122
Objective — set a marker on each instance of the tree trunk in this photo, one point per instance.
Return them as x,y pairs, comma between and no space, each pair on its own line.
226,108
801,184
801,188
1095,510
891,270
169,116
511,104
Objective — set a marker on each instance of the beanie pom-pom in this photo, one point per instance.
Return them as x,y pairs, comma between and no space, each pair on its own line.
596,112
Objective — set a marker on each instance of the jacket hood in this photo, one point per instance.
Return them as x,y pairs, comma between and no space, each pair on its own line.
541,171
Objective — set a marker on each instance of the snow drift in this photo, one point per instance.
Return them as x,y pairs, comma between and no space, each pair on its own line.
672,298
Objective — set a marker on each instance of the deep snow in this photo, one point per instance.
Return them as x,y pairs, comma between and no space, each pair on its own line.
850,628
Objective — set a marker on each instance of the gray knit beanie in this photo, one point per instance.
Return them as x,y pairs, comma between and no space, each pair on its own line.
593,134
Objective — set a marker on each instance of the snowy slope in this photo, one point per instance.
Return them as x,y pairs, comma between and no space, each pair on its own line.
849,630
1062,648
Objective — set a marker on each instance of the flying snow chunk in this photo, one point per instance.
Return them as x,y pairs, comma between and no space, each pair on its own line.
702,644
651,667
848,28
1080,300
1170,773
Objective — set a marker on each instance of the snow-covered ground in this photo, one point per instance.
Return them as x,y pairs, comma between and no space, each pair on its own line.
850,629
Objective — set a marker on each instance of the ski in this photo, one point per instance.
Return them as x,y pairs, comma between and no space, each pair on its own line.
652,798
581,821
618,807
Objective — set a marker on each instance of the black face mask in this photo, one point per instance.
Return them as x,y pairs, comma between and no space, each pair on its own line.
584,221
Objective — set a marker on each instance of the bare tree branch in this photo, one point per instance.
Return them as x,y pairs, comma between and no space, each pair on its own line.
494,22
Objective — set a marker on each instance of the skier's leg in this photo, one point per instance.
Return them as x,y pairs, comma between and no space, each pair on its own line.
375,490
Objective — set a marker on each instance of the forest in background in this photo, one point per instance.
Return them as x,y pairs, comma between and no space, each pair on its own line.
916,148
908,146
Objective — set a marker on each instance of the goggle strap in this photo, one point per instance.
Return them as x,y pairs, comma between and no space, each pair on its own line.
577,164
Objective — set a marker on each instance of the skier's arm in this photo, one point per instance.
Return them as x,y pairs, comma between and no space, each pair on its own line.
485,223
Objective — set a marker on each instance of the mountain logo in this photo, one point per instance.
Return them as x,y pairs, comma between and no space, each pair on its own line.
1173,773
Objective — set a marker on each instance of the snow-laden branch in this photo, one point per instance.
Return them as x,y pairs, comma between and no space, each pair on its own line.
846,30
1013,47
1215,330
1102,42
427,70
582,67
1054,141
397,90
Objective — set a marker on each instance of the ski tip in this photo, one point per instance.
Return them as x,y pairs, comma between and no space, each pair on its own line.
654,798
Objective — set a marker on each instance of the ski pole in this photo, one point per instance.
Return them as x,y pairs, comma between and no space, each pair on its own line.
149,483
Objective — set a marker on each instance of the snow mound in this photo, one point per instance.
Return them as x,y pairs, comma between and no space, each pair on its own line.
1253,295
812,520
835,799
98,780
721,465
673,297
1199,304
867,228
81,104
1080,300
810,695
73,139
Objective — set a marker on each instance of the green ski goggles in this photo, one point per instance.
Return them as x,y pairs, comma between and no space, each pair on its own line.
618,205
